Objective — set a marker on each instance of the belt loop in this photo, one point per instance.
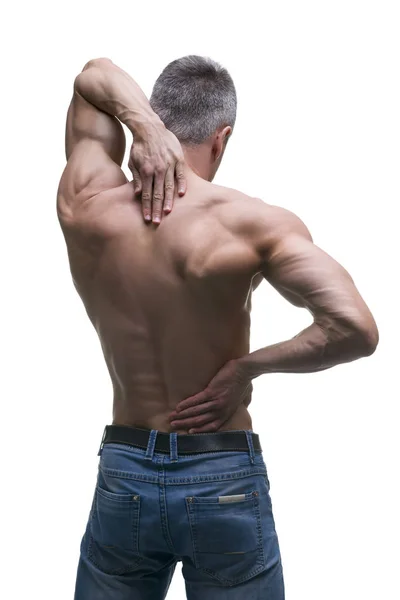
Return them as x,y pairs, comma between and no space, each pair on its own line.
173,446
151,444
102,441
249,436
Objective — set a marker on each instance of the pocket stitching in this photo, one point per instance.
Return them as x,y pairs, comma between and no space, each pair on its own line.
259,548
135,534
115,497
122,571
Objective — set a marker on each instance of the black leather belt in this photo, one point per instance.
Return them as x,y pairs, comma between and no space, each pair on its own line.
196,443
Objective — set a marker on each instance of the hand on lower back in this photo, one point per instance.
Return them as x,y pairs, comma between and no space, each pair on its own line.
208,410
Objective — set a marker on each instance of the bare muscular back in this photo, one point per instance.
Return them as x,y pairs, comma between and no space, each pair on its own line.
171,304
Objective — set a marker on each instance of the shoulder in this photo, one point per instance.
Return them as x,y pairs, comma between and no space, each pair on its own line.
103,215
253,218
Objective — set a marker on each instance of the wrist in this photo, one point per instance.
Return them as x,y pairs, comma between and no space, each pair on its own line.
244,369
145,126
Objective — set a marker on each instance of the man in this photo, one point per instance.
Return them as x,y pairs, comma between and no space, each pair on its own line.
170,300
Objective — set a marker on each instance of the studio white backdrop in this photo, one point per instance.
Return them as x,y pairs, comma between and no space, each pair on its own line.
317,132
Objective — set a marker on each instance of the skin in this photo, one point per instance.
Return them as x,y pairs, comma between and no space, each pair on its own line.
171,302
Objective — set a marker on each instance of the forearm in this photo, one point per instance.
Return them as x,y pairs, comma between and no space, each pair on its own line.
113,91
312,350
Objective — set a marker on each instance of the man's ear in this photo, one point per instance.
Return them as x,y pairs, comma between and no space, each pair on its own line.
220,141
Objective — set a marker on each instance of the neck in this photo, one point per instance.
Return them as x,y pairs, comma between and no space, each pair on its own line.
198,160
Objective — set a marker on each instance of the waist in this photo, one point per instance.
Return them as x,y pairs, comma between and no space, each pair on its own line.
153,416
180,444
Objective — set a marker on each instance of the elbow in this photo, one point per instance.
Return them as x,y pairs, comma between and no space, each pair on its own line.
97,62
352,339
366,338
371,340
91,75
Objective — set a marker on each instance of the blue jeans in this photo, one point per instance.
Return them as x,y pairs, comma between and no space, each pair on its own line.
210,511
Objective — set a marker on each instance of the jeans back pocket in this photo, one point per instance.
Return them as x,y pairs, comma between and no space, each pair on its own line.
227,536
114,526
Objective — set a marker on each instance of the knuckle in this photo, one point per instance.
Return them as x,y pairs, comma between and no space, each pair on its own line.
146,197
158,197
169,186
147,170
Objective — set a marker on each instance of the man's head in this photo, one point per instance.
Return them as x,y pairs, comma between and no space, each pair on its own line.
196,99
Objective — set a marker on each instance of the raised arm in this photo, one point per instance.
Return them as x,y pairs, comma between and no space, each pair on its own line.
103,95
343,328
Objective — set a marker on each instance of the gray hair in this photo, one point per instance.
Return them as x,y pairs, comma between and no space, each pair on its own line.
194,96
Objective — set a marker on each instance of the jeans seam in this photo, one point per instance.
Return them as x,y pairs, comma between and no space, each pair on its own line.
185,480
191,517
127,475
163,506
213,478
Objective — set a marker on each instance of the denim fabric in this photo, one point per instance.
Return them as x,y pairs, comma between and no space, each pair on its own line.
212,512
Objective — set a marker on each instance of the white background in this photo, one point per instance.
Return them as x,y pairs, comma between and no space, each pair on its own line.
317,132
